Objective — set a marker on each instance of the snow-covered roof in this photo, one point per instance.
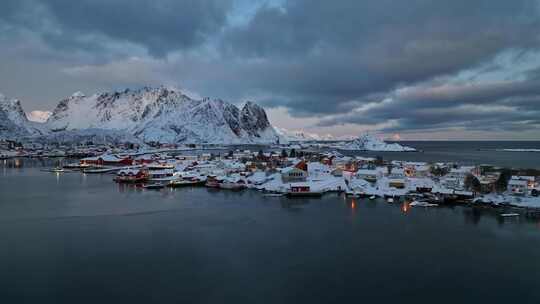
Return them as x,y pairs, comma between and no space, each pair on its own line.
289,169
517,182
367,172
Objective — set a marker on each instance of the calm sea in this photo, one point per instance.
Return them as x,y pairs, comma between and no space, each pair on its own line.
467,152
73,238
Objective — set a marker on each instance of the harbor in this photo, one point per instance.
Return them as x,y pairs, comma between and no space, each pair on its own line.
303,170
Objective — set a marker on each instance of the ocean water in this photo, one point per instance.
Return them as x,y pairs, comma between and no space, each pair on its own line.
467,152
74,238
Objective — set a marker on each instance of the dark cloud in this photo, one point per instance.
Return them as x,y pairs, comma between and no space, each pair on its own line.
390,63
331,53
500,106
160,26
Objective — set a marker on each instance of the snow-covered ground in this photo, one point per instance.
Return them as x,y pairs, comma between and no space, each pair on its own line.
509,199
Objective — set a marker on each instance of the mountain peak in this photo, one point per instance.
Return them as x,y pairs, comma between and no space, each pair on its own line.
78,94
164,114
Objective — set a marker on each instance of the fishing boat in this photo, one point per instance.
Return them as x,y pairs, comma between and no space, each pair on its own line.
233,184
355,193
182,183
302,190
165,175
227,185
212,181
160,166
422,204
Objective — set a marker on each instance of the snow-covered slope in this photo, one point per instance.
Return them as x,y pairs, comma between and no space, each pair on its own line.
13,121
298,135
38,116
164,115
368,142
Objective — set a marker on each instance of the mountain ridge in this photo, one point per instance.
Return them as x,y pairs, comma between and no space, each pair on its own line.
150,114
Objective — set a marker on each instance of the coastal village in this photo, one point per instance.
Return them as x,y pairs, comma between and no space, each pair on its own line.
296,170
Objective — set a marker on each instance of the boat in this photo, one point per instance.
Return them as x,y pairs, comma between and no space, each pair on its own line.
154,186
76,166
212,182
159,166
165,175
233,184
273,194
54,170
302,190
509,214
372,197
422,204
182,183
390,200
98,170
355,193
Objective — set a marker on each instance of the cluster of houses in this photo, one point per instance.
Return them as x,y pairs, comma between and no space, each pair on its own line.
310,173
294,171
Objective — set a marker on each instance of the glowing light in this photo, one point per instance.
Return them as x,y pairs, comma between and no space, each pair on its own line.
353,203
405,207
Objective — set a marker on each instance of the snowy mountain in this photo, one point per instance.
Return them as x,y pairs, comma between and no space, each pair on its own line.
368,142
38,116
164,115
298,135
13,121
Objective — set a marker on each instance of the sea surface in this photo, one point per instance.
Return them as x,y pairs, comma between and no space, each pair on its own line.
75,238
466,153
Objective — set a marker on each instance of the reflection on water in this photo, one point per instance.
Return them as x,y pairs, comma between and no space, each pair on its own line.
78,229
405,206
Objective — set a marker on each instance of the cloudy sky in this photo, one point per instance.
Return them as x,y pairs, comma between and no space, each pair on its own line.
424,69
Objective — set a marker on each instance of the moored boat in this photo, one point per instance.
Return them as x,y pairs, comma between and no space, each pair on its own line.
302,190
182,183
422,204
94,170
212,181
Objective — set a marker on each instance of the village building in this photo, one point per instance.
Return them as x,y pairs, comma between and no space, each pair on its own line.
368,175
107,160
293,174
518,186
488,182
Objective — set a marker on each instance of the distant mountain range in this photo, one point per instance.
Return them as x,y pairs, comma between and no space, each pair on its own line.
147,114
369,142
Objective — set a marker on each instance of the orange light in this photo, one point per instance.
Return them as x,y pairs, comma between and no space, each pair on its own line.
405,207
